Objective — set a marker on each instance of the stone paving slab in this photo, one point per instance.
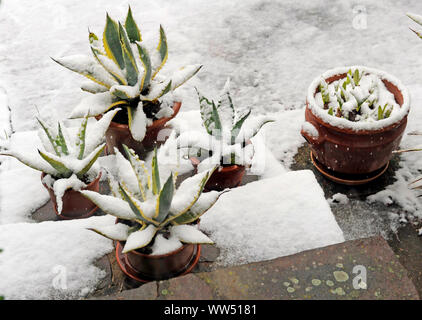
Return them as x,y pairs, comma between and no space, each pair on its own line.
325,273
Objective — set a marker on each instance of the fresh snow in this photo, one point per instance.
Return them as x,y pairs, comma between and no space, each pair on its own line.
339,198
52,260
271,218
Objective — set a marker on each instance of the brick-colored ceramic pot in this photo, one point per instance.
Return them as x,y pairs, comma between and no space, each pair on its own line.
352,148
75,205
118,134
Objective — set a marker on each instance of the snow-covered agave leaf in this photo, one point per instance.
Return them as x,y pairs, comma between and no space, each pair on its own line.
141,173
130,64
111,42
118,231
94,105
93,87
205,202
164,200
80,141
156,183
61,141
238,125
140,239
111,205
88,162
111,67
96,132
56,163
209,114
162,50
32,162
143,210
188,193
126,92
189,234
415,17
137,121
250,131
131,28
125,174
157,90
146,62
114,187
48,131
87,67
184,74
225,107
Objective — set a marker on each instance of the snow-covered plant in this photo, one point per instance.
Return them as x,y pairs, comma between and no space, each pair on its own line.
68,162
64,156
360,96
418,20
226,140
125,74
153,215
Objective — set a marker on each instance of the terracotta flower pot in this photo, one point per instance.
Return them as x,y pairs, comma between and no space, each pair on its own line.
223,177
145,267
75,205
354,148
118,134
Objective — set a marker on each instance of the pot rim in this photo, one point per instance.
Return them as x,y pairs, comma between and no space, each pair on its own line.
159,256
345,125
233,167
155,124
43,174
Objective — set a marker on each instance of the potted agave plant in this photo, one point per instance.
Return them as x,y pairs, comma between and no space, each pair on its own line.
225,142
355,117
69,164
125,74
157,226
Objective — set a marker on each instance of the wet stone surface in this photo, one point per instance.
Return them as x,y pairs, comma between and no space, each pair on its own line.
327,273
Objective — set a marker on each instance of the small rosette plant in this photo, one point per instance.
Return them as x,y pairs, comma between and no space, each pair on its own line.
124,73
153,216
359,96
68,162
226,140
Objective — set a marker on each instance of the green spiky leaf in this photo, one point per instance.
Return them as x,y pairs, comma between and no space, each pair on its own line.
156,184
164,200
131,27
146,62
111,42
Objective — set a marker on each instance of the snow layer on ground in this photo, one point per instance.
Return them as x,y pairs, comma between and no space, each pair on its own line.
271,49
21,190
411,164
271,218
51,260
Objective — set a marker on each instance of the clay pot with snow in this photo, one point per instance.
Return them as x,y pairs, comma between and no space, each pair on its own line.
119,134
156,231
226,176
364,144
73,205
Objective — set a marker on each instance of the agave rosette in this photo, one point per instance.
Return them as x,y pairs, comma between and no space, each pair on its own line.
226,140
125,74
151,212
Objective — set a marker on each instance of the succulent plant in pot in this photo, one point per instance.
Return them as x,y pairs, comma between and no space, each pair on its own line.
355,117
156,230
125,74
225,142
68,164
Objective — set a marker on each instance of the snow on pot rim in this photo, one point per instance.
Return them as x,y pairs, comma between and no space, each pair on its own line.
342,123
